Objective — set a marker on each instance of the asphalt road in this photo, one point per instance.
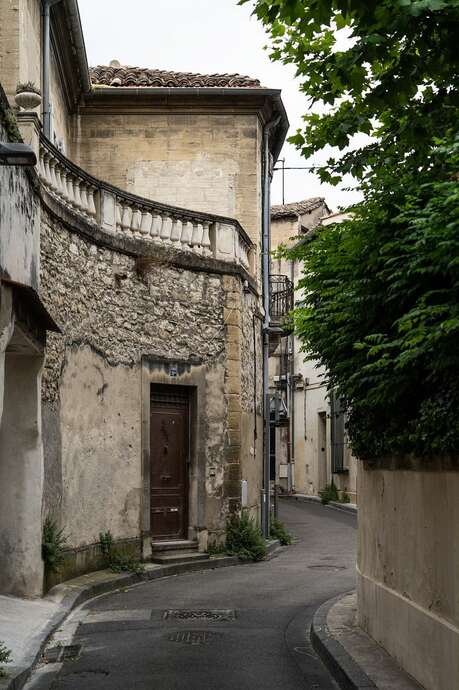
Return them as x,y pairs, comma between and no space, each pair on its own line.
261,640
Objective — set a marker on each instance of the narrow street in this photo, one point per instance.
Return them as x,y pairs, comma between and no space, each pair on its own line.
259,635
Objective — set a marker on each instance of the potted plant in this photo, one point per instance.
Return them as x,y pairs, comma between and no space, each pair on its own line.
28,95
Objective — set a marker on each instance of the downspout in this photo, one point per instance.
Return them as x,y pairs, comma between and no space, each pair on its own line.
266,251
46,11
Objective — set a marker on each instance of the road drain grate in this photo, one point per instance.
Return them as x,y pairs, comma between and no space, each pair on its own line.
192,637
210,615
327,567
61,653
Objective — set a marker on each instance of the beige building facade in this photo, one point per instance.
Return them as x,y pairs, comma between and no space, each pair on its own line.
148,197
318,452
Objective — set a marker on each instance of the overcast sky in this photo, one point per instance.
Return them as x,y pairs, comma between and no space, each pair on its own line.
202,36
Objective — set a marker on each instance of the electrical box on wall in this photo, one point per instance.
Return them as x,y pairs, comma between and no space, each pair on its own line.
283,471
244,494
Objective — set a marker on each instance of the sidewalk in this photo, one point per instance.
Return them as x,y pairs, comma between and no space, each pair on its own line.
26,624
347,507
354,659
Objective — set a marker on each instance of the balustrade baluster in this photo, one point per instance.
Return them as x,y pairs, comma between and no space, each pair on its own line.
91,203
84,198
176,233
196,238
119,212
166,230
206,238
135,222
126,217
187,232
77,195
156,227
146,222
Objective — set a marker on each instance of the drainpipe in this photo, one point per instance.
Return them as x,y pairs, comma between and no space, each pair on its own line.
46,11
266,251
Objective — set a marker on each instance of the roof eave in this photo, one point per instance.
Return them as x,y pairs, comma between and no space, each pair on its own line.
73,12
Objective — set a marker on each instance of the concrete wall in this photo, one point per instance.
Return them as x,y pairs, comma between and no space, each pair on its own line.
202,161
408,567
19,224
21,477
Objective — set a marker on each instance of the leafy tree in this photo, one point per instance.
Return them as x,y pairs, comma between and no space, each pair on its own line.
381,291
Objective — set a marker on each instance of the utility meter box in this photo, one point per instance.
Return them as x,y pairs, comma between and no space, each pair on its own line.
244,494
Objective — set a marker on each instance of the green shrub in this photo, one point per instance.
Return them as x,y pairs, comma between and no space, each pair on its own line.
5,658
345,498
278,531
118,559
329,493
244,539
53,544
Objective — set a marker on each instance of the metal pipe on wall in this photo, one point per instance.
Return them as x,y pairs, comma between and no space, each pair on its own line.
46,14
266,251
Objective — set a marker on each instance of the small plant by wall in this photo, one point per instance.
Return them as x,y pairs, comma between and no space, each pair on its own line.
5,658
244,538
278,531
54,541
118,559
329,493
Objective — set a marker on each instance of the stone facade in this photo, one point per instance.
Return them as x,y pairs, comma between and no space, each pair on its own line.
124,318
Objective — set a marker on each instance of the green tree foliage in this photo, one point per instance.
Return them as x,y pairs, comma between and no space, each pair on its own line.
381,291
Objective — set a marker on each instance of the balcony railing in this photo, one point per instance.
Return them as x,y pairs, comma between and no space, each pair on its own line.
281,298
117,212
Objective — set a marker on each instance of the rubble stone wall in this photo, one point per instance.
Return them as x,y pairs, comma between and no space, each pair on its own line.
122,317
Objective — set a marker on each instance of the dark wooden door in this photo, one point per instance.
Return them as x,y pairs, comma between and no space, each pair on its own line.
169,448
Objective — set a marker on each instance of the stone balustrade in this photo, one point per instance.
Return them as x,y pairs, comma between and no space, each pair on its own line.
120,213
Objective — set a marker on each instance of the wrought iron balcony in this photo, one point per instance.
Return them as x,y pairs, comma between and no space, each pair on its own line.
281,299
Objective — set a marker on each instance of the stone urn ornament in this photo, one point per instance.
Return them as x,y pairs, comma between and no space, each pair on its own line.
28,96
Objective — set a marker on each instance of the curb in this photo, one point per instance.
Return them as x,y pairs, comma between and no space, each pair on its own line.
69,596
346,507
347,673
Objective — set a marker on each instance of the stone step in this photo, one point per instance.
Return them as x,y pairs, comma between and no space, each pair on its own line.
178,556
173,545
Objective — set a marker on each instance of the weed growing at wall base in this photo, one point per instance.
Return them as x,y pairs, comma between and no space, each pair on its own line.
244,539
5,658
118,559
53,544
278,531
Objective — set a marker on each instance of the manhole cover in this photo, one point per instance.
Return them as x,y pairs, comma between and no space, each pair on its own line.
61,653
212,615
327,567
193,637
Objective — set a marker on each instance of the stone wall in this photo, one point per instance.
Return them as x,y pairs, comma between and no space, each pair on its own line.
124,318
408,566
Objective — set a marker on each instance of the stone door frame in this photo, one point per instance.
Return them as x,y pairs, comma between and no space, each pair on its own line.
191,374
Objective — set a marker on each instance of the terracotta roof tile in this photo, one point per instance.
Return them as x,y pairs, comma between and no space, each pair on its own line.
297,208
138,77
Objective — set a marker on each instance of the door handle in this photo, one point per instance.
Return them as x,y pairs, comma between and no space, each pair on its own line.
165,477
173,510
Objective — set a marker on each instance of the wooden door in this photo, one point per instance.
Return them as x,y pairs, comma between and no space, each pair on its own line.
169,451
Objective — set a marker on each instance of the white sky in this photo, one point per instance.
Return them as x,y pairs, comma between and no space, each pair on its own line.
203,36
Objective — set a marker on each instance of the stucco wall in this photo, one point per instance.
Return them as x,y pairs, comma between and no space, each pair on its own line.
202,161
408,569
19,225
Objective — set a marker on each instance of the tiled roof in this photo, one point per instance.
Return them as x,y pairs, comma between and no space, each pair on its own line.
123,75
297,208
